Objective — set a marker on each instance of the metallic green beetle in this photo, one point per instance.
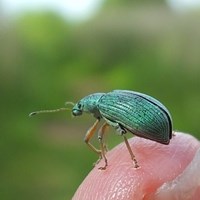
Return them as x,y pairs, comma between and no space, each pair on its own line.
126,111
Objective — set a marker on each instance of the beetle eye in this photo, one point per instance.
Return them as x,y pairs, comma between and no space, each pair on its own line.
79,106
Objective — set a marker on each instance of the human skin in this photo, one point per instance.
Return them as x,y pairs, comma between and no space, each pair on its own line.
166,172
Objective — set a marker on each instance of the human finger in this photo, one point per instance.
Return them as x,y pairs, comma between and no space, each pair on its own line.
158,164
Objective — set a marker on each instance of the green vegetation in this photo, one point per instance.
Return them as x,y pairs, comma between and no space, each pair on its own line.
45,61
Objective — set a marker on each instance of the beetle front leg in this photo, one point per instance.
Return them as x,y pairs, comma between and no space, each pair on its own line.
101,133
89,135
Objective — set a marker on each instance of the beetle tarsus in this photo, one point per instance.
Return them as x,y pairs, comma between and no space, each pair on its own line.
104,167
135,164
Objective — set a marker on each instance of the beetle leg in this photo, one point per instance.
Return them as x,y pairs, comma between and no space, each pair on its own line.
89,135
101,133
130,151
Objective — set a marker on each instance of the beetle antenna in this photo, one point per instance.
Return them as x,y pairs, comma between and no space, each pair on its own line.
52,111
69,103
48,111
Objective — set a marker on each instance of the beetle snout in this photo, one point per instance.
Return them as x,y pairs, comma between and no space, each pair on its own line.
76,112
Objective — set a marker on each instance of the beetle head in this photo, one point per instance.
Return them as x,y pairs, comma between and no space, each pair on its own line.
88,104
78,109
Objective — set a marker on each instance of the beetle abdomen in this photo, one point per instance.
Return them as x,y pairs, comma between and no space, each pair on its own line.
138,113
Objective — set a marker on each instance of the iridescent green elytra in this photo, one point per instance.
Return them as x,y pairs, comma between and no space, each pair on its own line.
126,111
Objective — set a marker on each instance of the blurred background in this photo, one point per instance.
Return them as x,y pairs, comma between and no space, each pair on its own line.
55,51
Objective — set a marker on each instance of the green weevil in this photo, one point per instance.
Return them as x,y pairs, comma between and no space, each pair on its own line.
126,111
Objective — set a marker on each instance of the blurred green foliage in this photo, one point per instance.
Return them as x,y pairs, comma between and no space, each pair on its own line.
45,61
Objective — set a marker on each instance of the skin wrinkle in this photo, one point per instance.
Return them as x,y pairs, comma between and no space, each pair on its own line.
119,190
122,188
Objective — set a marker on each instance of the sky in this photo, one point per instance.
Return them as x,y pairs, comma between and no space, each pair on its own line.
77,9
71,9
184,5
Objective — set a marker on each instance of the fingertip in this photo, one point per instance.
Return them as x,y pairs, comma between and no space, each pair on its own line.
158,164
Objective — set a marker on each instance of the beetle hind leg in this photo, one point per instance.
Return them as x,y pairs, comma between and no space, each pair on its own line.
130,151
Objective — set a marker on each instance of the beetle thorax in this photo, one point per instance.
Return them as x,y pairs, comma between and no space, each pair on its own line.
90,104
